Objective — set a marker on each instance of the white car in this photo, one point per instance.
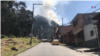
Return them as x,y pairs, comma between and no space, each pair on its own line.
44,40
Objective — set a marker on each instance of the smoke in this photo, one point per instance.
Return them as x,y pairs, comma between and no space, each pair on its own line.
46,11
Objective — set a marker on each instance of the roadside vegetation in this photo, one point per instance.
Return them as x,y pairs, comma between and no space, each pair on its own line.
62,44
16,24
19,43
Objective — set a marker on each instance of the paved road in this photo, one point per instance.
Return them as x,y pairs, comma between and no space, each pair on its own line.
46,49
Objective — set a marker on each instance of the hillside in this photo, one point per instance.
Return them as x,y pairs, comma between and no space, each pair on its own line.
47,29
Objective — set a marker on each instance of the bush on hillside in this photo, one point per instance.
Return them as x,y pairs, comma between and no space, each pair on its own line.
4,36
12,36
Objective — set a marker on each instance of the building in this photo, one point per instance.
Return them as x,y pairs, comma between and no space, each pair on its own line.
56,33
97,22
69,38
84,29
64,34
52,36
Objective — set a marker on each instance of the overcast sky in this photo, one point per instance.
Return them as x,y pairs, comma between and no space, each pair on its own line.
56,10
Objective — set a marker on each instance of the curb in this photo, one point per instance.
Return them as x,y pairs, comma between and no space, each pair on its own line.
80,51
85,53
25,49
74,49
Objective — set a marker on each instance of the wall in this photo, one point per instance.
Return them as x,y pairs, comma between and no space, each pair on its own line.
69,38
63,30
79,25
87,29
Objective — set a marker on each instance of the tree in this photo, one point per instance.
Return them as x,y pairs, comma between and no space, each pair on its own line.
15,20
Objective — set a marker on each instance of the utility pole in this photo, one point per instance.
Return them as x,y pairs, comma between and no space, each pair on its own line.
32,23
62,21
38,33
41,32
62,30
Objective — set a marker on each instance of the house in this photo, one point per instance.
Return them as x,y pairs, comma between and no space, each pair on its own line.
65,34
52,36
84,29
69,38
97,22
56,33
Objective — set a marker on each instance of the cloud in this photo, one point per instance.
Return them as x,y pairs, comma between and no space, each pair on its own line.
48,9
60,11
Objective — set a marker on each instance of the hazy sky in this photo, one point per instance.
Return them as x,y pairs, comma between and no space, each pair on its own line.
56,10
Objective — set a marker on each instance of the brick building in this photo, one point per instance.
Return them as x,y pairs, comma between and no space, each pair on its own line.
64,33
83,29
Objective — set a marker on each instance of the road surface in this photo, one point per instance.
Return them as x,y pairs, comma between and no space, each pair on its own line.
46,49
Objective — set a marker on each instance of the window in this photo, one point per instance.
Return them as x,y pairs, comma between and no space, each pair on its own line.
91,33
75,23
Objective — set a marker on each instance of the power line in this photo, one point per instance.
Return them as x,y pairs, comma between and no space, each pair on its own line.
36,7
96,10
95,5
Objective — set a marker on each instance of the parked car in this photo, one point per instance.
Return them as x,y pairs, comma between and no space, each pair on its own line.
55,42
44,40
49,40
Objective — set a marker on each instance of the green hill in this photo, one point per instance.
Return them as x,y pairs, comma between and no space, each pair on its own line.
47,29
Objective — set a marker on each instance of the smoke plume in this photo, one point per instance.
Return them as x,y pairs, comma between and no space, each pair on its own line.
46,11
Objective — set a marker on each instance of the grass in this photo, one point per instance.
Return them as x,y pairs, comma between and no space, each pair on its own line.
62,44
20,43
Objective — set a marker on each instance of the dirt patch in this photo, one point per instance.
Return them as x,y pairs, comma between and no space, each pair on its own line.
2,53
9,40
1,43
10,46
21,46
0,48
24,42
6,45
27,43
14,49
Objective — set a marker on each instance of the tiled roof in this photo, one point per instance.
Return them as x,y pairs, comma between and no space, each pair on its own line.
64,29
85,15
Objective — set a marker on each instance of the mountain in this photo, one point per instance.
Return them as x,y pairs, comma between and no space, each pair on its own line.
47,29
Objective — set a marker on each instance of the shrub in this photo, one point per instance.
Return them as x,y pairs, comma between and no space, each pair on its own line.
12,36
4,36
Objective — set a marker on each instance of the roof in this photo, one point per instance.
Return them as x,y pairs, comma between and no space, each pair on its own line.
96,17
55,29
64,29
84,14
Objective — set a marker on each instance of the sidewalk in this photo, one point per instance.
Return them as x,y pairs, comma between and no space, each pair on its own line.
84,49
